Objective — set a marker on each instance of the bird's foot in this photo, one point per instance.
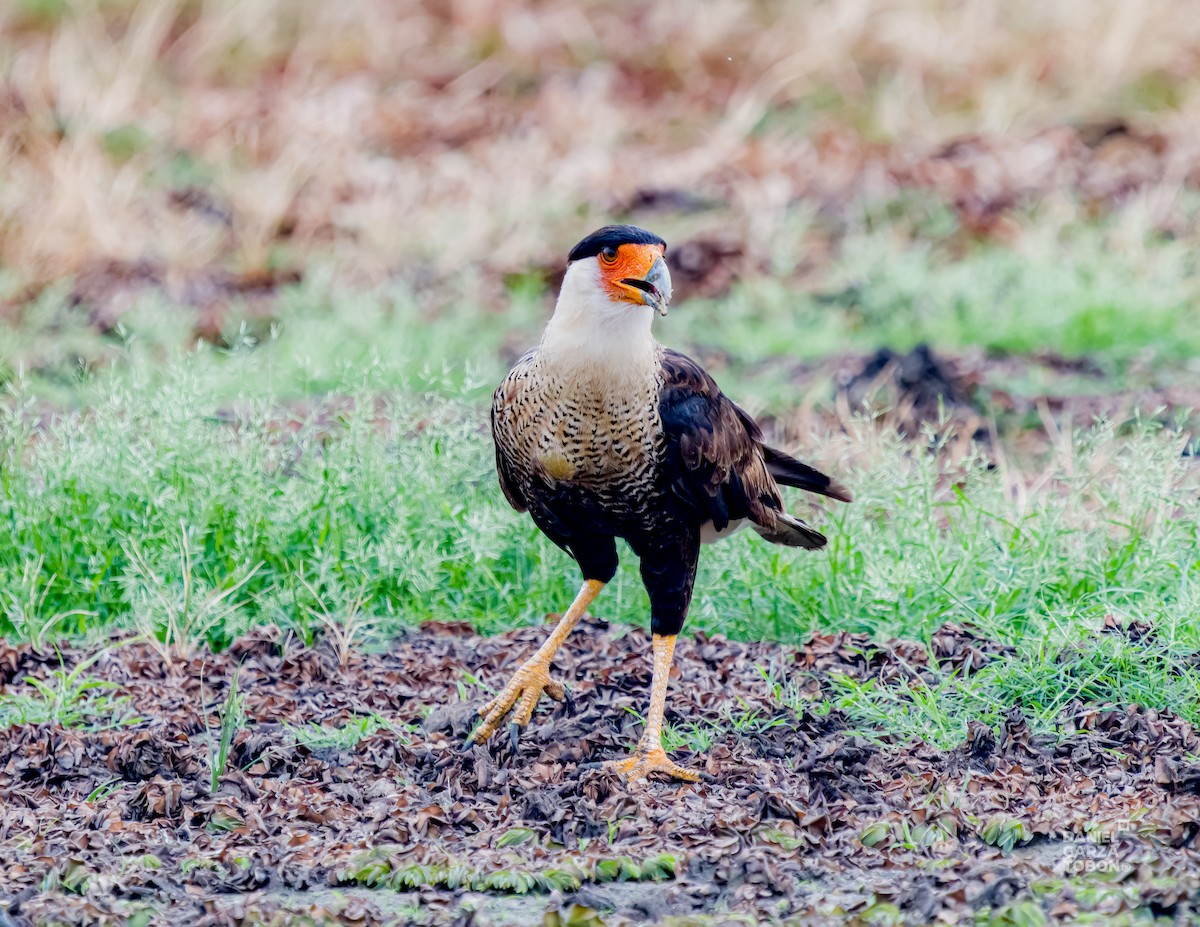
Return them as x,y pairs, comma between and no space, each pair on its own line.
651,760
519,696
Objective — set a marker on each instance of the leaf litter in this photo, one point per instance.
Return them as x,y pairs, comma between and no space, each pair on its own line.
396,821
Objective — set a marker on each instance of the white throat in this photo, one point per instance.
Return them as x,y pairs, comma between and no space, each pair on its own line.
591,333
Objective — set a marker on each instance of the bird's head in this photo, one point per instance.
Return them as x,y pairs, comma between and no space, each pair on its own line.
616,280
625,265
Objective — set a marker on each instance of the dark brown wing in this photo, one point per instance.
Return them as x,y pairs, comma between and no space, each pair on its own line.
715,457
788,471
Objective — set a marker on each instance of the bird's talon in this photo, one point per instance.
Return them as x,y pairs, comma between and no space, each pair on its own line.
639,766
519,698
514,736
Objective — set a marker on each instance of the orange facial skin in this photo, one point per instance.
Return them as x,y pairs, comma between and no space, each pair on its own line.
630,261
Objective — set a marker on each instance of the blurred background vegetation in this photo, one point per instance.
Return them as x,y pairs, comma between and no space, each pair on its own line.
1014,175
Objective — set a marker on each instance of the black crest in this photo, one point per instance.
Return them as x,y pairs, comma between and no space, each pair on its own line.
613,236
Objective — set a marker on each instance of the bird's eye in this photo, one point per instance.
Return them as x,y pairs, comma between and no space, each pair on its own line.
608,254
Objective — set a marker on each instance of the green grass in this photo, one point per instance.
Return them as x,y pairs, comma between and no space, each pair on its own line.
68,699
383,868
232,718
1064,662
156,503
333,475
320,737
1109,292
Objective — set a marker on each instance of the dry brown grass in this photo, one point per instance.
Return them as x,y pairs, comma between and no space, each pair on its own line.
417,138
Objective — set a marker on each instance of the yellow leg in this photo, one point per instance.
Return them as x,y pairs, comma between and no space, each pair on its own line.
528,682
650,755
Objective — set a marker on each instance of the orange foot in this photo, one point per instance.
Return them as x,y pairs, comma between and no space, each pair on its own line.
523,691
652,760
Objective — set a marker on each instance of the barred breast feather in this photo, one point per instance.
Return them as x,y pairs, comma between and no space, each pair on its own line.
663,446
559,428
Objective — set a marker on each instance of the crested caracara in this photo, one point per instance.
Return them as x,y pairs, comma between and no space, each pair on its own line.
602,433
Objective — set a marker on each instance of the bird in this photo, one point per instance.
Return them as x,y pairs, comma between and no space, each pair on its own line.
601,433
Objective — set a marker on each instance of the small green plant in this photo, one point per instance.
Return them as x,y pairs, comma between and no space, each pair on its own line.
906,835
785,691
875,833
379,869
344,623
68,699
173,612
221,822
515,836
749,720
882,914
318,737
462,685
25,604
577,915
191,864
697,737
623,869
1027,913
614,827
1004,833
233,717
71,876
103,790
784,839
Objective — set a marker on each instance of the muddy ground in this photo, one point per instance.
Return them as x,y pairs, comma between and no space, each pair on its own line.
800,817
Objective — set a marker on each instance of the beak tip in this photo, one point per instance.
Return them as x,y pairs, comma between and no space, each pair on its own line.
654,288
660,276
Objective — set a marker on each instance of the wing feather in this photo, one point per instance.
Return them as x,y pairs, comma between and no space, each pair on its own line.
715,458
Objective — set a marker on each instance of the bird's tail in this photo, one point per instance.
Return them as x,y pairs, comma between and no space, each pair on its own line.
791,532
788,471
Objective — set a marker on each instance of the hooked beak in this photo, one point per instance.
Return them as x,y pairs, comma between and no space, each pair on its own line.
655,286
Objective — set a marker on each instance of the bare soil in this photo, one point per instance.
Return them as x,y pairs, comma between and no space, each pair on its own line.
799,817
